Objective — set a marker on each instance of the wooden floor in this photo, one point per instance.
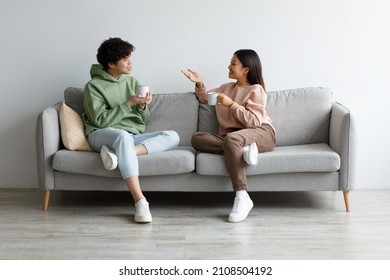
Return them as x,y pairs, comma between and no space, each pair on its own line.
193,226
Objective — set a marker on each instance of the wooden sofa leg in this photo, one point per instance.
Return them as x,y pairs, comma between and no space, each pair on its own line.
346,200
46,197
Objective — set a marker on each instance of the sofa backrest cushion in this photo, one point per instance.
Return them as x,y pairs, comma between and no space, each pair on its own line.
74,98
300,116
207,119
173,111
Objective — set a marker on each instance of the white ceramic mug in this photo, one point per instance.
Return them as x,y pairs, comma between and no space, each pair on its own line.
212,98
142,90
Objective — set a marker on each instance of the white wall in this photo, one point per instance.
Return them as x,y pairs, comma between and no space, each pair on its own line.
47,46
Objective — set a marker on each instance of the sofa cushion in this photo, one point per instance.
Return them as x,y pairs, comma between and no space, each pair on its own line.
179,161
300,116
290,159
207,119
74,98
178,112
173,111
72,130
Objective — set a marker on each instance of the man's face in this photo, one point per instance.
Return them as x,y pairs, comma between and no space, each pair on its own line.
122,66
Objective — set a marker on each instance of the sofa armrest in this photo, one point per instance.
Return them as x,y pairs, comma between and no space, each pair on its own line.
342,140
48,142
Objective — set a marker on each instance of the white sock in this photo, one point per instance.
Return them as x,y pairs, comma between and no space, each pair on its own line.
241,194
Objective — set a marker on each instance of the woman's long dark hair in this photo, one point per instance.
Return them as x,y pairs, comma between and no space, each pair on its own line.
250,59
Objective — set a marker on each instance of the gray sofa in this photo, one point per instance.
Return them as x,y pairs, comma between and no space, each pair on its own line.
314,150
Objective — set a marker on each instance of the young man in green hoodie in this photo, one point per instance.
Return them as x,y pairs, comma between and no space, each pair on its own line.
115,119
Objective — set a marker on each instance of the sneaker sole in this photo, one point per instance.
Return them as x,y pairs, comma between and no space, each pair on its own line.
143,220
108,158
251,155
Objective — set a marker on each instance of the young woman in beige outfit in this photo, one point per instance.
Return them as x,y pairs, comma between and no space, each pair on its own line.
244,125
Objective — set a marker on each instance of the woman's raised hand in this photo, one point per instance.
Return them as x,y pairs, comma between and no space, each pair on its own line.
193,76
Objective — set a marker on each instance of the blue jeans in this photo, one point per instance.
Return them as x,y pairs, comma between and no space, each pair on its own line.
123,144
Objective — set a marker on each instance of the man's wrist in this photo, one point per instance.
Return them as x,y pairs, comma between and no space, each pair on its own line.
141,108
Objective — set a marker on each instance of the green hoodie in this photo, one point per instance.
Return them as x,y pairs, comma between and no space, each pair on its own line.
105,103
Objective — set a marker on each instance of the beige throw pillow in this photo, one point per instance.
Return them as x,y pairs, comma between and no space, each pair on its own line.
72,130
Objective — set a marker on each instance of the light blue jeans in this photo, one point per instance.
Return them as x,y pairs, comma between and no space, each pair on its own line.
123,144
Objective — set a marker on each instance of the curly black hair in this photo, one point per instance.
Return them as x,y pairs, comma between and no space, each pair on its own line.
112,50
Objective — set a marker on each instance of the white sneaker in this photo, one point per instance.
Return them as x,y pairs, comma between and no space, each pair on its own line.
250,154
142,213
109,159
241,208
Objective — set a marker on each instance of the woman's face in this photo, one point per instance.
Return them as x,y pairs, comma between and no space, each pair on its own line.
236,69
